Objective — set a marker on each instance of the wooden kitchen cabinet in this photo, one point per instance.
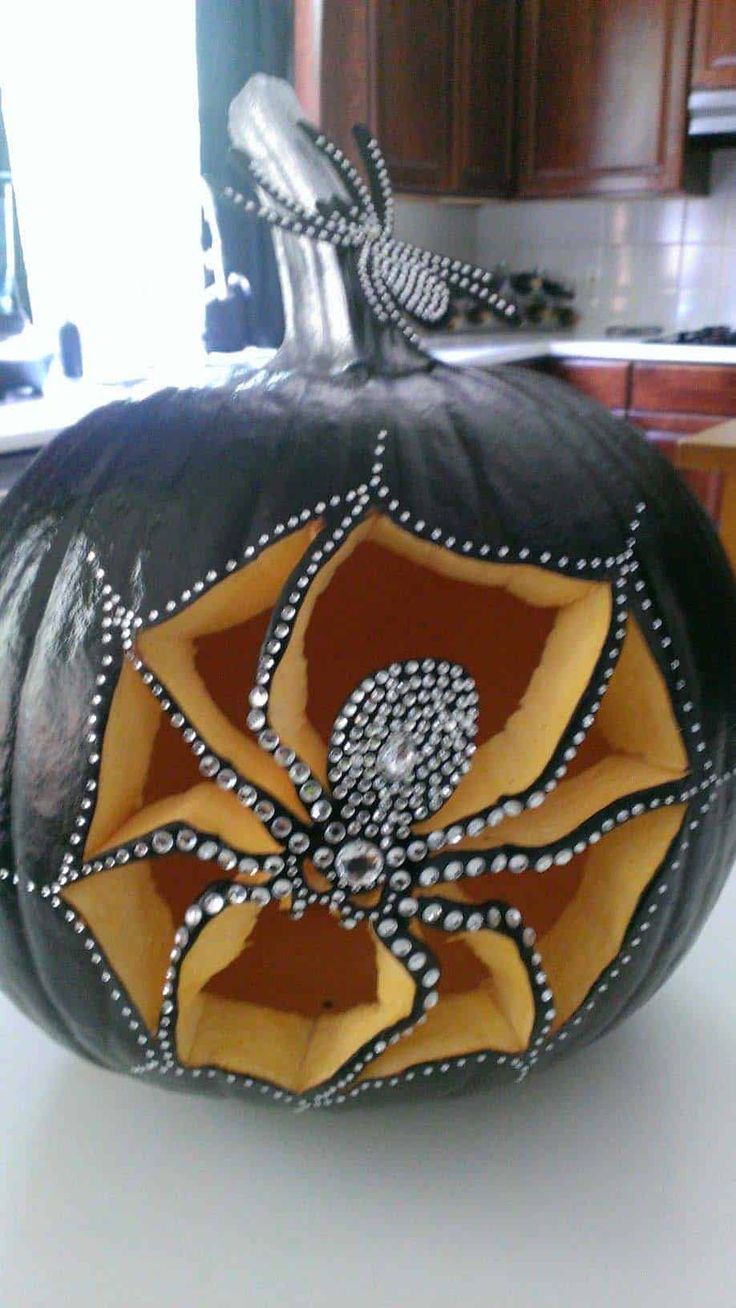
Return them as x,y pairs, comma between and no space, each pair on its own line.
516,97
714,52
434,79
602,96
607,382
410,106
484,96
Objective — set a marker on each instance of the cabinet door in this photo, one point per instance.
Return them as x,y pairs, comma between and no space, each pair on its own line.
343,90
602,95
486,33
714,58
412,87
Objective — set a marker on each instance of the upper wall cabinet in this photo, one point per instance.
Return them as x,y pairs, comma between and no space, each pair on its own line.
504,97
714,57
602,95
435,79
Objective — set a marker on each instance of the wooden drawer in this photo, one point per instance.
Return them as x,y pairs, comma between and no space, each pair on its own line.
606,382
684,388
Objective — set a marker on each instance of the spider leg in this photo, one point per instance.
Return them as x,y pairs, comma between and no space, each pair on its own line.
378,178
477,284
322,223
372,294
356,187
382,293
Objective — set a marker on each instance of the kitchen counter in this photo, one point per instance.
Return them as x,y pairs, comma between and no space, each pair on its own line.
27,424
477,349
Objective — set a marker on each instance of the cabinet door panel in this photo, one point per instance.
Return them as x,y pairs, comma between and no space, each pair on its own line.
344,90
412,90
714,61
687,388
606,382
485,87
602,95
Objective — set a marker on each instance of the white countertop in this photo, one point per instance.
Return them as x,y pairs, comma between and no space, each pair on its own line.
607,1180
482,350
29,423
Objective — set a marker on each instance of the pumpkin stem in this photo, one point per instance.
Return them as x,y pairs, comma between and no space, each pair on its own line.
330,325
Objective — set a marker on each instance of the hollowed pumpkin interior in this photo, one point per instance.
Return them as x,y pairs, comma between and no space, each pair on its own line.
290,1001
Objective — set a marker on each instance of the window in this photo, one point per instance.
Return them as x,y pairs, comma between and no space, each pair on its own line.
101,111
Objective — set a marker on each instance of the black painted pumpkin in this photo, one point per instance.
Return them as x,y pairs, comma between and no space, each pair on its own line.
367,724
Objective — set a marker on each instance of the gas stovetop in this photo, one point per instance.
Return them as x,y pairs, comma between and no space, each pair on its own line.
702,336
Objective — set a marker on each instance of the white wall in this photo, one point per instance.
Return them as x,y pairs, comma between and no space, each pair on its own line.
668,262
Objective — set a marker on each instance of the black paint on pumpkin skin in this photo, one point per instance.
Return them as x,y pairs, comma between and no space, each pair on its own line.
134,553
167,488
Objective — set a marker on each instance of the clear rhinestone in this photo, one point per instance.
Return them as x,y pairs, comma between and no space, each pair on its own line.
310,791
227,779
387,928
407,907
359,865
323,857
281,827
193,916
258,697
453,920
398,757
431,913
162,841
214,903
401,947
207,850
400,880
186,840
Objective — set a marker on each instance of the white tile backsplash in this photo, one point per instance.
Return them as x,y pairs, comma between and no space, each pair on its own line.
446,227
668,260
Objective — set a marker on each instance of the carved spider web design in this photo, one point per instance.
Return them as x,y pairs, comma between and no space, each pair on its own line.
400,745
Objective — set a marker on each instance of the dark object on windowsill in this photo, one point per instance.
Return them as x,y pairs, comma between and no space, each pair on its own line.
226,316
70,350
